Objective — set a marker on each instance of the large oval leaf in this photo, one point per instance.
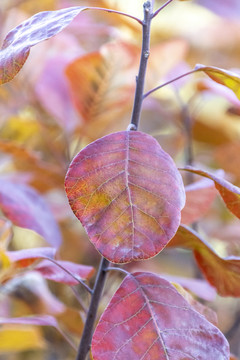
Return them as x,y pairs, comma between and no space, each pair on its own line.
127,193
148,319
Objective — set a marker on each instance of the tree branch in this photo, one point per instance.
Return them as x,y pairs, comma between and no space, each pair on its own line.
84,346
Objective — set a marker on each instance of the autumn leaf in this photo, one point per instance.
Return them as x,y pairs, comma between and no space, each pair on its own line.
41,26
222,273
229,192
127,193
148,318
102,85
223,77
26,208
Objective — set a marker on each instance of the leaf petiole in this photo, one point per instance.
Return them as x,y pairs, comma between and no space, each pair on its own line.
169,82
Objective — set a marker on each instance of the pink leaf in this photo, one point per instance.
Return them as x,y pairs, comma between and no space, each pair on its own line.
199,197
148,319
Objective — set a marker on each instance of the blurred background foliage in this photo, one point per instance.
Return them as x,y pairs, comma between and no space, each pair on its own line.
79,86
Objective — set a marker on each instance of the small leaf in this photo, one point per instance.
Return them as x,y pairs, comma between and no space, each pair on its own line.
199,197
229,192
26,208
223,77
52,272
148,319
127,193
40,27
223,274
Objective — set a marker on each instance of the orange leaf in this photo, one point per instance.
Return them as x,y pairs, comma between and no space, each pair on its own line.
102,86
127,193
223,274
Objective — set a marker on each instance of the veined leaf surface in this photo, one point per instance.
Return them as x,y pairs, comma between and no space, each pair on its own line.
148,319
127,193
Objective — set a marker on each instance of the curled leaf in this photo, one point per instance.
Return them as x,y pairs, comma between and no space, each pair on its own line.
222,273
229,192
127,193
148,319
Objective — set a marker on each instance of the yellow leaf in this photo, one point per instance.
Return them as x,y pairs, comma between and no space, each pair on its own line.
20,338
223,77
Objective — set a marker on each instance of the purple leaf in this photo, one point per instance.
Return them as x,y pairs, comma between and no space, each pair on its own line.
26,208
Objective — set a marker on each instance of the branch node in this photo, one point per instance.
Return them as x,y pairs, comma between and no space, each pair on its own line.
131,127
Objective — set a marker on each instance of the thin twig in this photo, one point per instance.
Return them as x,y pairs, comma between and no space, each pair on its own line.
161,8
140,80
116,12
84,346
118,269
169,82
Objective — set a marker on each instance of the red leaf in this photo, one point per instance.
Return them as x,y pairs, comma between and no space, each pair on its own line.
26,208
223,274
148,319
229,192
127,193
52,272
199,197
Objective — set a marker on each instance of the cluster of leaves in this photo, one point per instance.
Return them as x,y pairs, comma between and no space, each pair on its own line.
124,188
